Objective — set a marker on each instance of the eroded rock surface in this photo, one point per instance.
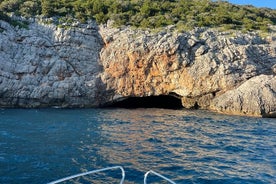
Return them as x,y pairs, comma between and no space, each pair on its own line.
89,66
49,66
200,66
257,96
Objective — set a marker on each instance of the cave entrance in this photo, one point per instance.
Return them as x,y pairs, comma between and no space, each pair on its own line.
162,101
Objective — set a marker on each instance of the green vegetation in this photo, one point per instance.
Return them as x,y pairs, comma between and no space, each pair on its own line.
20,24
185,14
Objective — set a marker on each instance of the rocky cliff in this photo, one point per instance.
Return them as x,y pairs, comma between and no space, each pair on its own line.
89,66
207,69
49,66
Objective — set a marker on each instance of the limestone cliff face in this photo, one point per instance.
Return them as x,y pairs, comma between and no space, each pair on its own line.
49,66
88,66
203,67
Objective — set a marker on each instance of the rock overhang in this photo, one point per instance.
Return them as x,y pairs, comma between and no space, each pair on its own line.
200,65
161,101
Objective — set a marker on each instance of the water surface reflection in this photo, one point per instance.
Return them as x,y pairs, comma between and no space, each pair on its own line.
38,146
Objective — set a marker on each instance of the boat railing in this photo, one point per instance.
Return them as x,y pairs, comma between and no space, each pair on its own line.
110,168
91,172
157,174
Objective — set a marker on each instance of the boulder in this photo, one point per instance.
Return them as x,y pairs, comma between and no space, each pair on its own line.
256,96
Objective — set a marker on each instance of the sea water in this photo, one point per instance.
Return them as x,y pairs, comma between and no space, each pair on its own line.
42,145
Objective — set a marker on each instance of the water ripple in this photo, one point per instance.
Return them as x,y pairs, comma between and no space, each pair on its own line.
38,146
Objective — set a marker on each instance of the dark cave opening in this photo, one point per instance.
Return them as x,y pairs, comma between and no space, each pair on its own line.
162,101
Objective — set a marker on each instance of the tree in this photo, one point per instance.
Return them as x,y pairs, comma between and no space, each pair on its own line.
30,8
101,18
48,8
248,24
10,5
79,10
99,7
147,9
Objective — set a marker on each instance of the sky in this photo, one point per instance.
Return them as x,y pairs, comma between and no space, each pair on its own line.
257,3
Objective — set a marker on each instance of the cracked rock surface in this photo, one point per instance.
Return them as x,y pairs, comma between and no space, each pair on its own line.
49,66
256,96
203,67
89,65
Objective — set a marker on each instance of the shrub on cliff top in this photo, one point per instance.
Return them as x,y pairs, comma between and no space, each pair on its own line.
150,13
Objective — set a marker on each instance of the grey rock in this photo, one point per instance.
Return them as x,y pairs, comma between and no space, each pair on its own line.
90,65
48,66
256,96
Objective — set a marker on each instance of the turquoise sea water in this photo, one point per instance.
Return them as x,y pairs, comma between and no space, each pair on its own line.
42,145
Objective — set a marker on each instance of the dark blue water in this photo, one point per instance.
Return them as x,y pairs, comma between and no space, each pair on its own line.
39,146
